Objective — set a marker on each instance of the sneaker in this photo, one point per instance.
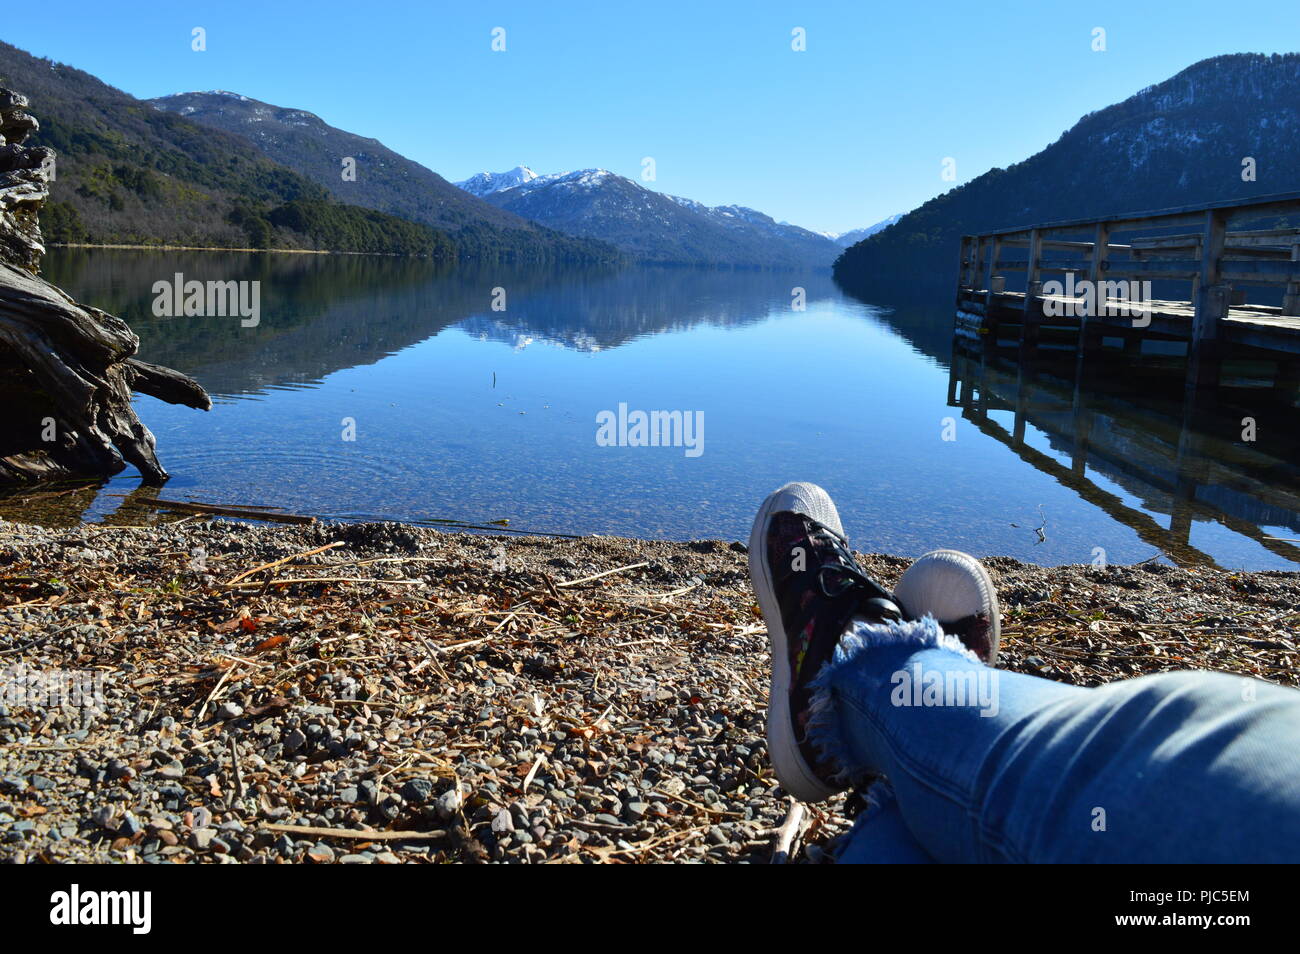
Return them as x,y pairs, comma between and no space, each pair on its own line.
809,588
957,591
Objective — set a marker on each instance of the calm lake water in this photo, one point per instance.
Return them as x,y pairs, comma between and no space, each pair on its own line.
466,413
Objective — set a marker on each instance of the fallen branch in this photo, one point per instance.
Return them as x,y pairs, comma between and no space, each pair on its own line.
357,835
789,831
282,560
602,575
157,503
285,581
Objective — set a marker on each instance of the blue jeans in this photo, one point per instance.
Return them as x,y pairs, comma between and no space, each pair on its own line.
984,765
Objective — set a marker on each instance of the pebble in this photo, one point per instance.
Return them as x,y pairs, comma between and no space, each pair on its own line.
450,802
417,791
230,710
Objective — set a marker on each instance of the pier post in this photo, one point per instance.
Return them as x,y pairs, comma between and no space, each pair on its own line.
1291,300
1089,328
1082,438
995,250
1203,351
963,270
1211,306
954,375
1032,315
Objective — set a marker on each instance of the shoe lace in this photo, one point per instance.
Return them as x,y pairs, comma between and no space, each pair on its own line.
839,575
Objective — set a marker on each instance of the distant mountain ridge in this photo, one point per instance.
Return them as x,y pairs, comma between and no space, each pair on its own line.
653,226
854,236
126,174
384,180
1179,142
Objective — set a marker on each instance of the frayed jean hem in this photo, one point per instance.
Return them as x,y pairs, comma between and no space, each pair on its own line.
850,666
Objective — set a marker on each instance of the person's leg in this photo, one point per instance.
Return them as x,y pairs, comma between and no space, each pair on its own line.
879,835
998,766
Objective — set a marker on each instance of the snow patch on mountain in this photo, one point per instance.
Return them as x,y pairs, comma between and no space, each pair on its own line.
485,183
853,237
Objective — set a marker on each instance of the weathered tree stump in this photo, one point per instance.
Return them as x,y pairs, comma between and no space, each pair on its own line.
66,369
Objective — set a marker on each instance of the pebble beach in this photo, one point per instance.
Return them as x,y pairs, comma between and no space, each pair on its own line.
209,691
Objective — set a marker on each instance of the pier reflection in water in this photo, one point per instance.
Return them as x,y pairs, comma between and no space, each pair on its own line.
1123,433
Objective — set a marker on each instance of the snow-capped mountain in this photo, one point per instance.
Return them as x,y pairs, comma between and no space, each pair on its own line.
853,237
653,226
486,183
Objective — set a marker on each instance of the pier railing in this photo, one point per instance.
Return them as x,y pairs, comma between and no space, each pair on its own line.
1227,275
1201,247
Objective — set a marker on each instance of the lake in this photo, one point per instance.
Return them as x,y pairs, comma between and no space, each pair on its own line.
388,389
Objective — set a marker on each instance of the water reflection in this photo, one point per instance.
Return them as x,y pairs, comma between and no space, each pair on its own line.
467,413
322,314
1121,433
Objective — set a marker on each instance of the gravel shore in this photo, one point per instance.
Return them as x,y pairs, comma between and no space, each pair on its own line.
404,695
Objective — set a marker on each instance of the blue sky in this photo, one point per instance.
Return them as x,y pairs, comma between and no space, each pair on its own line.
852,129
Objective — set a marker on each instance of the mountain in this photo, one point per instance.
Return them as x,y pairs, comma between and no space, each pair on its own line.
853,237
1180,142
384,180
488,182
655,227
126,174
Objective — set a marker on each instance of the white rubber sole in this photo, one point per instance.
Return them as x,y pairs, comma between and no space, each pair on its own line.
986,597
791,769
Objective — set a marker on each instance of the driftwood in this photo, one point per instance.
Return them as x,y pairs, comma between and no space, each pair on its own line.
67,370
788,834
215,509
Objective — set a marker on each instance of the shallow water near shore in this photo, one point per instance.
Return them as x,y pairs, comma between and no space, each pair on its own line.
465,413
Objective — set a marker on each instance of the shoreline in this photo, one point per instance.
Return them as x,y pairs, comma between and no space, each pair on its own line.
219,248
473,697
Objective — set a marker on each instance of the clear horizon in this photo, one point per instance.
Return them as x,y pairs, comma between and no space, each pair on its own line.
838,136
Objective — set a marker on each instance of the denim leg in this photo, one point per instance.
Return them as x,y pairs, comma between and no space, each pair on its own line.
997,766
880,836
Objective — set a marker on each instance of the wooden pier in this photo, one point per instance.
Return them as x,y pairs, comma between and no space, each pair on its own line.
1227,275
1193,312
